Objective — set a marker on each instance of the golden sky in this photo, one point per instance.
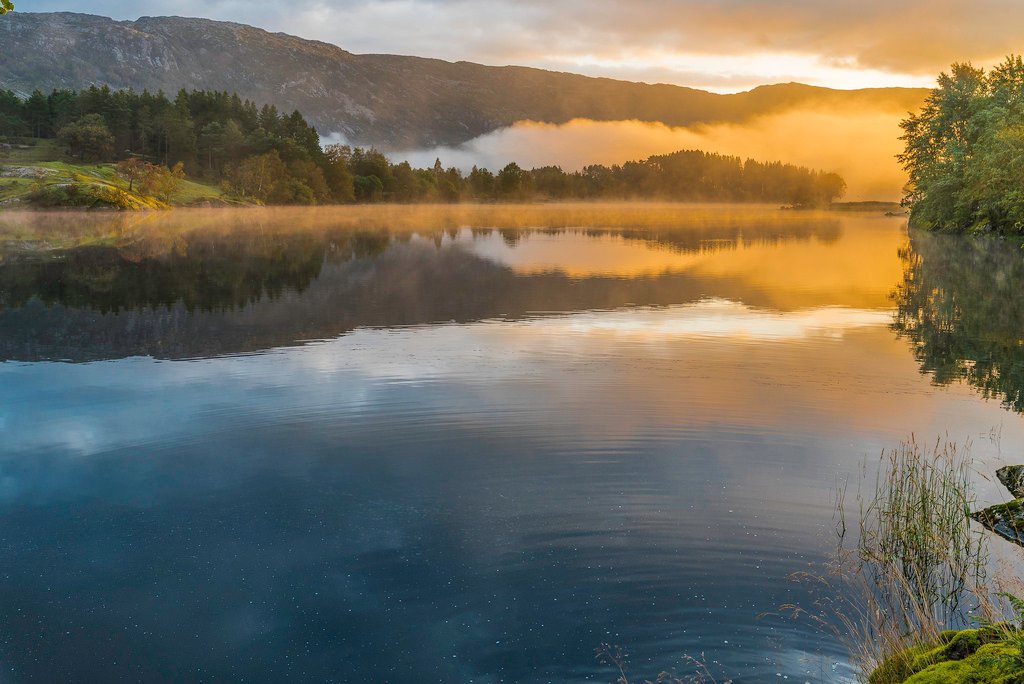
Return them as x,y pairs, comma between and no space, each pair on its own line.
724,45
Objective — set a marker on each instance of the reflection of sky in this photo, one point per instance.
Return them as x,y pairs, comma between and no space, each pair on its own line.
478,501
858,268
450,502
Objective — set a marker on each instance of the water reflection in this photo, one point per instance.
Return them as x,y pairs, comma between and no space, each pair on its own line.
959,303
474,444
200,284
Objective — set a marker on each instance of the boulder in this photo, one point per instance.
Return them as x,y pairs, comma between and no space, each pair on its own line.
1012,478
1007,520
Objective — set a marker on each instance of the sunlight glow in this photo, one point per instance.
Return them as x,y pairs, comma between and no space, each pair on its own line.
735,73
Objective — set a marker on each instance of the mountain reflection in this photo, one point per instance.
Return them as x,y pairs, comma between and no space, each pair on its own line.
959,304
197,284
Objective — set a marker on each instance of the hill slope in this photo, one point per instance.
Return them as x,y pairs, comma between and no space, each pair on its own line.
386,100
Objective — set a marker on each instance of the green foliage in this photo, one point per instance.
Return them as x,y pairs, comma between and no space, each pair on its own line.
210,134
6,6
964,151
260,154
338,174
88,139
257,177
368,188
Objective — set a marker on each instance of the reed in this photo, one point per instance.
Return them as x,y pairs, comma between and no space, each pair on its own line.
917,568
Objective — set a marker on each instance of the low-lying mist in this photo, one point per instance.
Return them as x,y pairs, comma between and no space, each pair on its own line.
861,146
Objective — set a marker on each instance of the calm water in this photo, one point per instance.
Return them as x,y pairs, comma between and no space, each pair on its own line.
466,444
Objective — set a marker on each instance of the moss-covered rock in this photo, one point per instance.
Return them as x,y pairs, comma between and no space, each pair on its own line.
987,665
898,667
1006,520
1012,478
960,657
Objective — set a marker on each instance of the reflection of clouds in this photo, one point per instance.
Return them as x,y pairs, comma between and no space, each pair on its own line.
731,320
496,497
660,255
856,269
579,255
812,369
495,350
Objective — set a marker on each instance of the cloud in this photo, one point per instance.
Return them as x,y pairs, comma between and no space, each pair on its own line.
861,146
892,42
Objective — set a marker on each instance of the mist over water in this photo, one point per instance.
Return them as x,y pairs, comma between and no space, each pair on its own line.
861,146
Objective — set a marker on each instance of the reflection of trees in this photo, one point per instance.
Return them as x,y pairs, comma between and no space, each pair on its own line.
208,270
172,288
692,239
960,304
200,273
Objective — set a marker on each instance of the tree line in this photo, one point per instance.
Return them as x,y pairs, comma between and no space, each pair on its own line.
964,151
260,154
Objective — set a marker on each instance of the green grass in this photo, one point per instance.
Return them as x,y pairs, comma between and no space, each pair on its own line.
191,193
36,150
83,185
59,184
11,188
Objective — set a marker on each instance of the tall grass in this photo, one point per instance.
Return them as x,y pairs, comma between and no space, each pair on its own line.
917,568
915,528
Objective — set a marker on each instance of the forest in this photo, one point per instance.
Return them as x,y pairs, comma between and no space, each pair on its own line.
257,154
964,152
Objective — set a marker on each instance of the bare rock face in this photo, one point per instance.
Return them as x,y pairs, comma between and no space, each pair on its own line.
385,100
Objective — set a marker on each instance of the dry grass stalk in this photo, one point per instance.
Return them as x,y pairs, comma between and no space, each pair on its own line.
917,569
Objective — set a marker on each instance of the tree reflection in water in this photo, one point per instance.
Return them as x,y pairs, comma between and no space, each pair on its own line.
960,303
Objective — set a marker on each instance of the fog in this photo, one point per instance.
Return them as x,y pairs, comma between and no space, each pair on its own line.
860,146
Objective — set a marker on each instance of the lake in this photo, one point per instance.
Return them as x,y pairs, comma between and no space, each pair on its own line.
466,444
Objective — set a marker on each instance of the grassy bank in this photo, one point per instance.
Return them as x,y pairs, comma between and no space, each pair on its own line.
32,175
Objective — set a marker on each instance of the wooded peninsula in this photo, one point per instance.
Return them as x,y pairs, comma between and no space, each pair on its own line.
964,152
124,149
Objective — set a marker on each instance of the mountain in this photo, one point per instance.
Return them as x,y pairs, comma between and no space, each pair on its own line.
390,101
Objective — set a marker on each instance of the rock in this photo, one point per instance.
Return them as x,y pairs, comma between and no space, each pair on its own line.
967,656
1012,478
11,171
1006,520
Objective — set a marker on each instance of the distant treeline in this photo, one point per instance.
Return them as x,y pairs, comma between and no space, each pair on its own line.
965,151
260,154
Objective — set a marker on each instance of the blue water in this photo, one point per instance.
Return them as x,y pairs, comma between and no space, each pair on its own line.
267,450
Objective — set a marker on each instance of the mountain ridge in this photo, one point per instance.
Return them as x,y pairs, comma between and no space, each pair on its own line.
391,101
